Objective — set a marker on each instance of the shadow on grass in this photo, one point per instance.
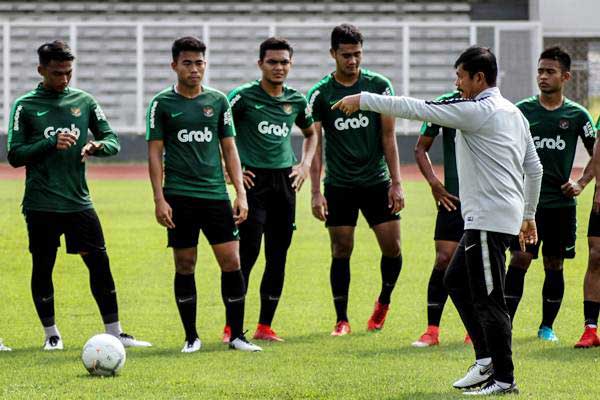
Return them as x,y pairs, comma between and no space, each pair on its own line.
565,354
416,395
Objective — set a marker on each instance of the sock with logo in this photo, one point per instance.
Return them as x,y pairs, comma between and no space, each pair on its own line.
102,284
436,297
339,278
552,294
42,289
591,309
113,328
185,297
390,271
233,290
513,289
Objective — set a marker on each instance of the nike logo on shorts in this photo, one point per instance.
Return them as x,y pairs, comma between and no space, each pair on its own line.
470,247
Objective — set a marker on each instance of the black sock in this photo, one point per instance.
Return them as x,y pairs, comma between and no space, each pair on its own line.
42,289
436,297
102,285
513,289
339,278
233,290
268,305
590,312
185,297
390,271
552,294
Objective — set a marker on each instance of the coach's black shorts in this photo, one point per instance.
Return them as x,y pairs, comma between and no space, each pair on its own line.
594,224
82,230
449,225
272,197
191,214
557,229
343,205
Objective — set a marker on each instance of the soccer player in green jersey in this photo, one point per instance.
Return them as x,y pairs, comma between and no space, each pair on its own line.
190,124
48,134
449,224
362,172
264,112
556,123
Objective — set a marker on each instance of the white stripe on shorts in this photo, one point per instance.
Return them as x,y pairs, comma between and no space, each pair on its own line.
487,268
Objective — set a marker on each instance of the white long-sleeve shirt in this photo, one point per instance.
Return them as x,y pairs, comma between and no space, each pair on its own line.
499,170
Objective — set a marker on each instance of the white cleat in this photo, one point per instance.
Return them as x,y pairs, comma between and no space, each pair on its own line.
191,347
130,341
53,343
3,347
242,344
493,389
477,375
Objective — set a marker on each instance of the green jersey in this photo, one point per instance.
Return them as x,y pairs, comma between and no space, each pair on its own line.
55,179
555,136
353,149
448,134
191,130
264,124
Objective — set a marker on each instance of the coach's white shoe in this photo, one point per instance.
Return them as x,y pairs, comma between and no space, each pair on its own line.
476,376
493,389
130,341
242,344
53,343
3,347
192,347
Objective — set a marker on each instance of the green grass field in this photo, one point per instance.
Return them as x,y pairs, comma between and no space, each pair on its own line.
310,364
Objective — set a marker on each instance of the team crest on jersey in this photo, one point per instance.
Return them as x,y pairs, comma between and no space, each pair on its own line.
76,111
208,111
287,108
563,124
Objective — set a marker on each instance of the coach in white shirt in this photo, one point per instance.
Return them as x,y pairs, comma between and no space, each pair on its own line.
500,176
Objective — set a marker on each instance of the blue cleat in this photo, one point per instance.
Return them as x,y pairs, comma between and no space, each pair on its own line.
547,334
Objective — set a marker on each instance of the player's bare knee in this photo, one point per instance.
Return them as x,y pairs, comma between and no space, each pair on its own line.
520,259
229,262
594,260
185,265
342,249
392,250
442,260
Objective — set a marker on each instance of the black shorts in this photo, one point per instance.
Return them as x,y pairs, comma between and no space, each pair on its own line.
82,230
594,224
272,197
343,205
449,225
191,214
557,229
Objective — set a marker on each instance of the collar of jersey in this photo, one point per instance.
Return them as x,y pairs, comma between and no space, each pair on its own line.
336,83
51,93
491,91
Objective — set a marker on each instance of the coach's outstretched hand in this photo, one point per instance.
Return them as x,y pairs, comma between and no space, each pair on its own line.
396,198
528,233
240,208
348,105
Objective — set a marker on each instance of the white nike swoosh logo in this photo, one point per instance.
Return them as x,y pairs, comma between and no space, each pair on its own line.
469,247
570,248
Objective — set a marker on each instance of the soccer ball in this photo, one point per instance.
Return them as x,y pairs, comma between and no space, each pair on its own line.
103,355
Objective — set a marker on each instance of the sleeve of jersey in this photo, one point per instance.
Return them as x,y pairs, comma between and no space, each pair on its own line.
226,127
313,104
533,179
588,132
20,152
304,118
236,102
154,128
430,130
103,133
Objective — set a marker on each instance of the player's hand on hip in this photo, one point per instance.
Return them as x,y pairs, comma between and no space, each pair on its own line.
528,233
240,209
396,198
443,197
164,214
299,174
248,181
348,105
319,206
90,148
65,140
571,188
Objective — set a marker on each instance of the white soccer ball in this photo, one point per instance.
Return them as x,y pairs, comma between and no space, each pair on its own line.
103,355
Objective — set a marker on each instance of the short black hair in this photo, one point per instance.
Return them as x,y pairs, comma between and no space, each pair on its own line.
187,43
274,43
557,53
345,34
479,59
56,50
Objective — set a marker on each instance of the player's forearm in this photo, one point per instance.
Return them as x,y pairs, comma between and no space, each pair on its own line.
234,167
110,145
155,170
24,154
390,152
315,170
309,146
588,173
424,163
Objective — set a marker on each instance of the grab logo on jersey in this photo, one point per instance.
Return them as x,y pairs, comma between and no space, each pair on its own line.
50,131
342,124
271,129
549,143
195,136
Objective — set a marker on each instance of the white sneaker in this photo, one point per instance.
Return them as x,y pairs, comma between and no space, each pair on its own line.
492,389
242,344
53,343
191,347
476,376
3,347
130,341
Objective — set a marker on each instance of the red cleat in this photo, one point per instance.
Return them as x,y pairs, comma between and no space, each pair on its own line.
468,339
431,337
588,339
264,332
377,319
226,334
341,328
